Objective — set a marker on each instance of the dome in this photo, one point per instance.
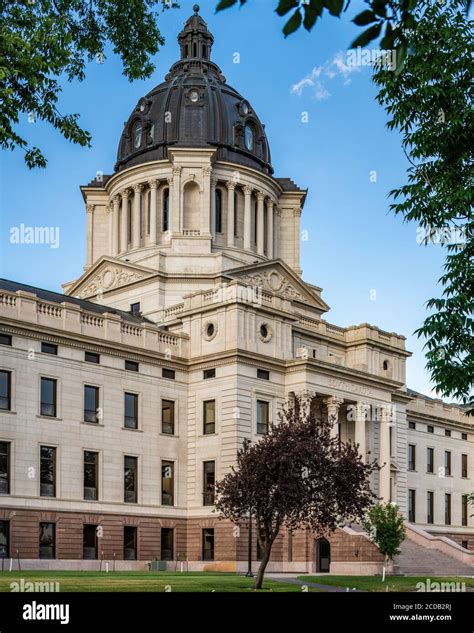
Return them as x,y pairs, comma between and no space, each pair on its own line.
194,107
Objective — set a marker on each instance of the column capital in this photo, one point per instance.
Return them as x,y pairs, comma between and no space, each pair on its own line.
297,212
214,181
90,208
170,180
260,196
231,185
108,208
361,410
248,190
153,184
125,194
333,401
176,171
137,188
116,200
387,413
270,204
278,211
206,171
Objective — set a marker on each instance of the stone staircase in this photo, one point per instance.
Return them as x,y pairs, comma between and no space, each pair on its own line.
416,560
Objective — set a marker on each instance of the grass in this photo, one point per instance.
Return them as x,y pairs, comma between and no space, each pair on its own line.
143,581
374,583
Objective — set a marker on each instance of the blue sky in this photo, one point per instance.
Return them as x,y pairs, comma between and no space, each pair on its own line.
354,245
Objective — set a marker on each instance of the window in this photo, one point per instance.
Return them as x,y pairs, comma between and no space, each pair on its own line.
5,390
208,544
447,432
167,483
465,544
131,365
447,463
91,357
166,208
430,507
209,417
130,479
48,397
91,404
209,480
129,542
411,457
386,365
168,373
135,309
5,468
5,339
390,440
131,411
430,429
91,476
447,509
412,506
290,546
411,425
47,540
4,539
464,500
89,542
464,436
263,374
208,373
463,465
167,417
137,135
263,416
218,211
167,544
49,348
430,460
47,471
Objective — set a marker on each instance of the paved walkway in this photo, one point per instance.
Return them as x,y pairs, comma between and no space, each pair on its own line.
294,580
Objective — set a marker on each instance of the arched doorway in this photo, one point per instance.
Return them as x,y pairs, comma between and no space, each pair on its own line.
322,554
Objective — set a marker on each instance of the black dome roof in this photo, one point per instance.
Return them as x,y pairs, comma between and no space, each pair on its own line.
194,107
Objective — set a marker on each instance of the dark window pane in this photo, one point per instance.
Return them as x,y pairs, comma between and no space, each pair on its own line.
5,390
209,481
47,540
130,479
91,357
411,506
167,417
167,544
208,544
263,374
166,205
131,365
430,460
135,309
49,348
91,476
131,411
411,457
48,397
430,508
209,417
167,483
4,539
447,463
4,468
464,510
209,373
463,465
48,471
5,339
263,416
430,429
89,542
447,509
129,543
91,404
168,373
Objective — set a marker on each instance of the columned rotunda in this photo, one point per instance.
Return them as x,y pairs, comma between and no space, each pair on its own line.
123,400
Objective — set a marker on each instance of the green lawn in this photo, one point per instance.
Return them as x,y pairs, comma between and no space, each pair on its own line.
374,583
142,581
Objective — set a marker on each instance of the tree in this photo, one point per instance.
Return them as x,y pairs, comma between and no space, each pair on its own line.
385,526
44,39
297,476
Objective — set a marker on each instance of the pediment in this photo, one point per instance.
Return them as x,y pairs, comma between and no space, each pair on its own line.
279,279
105,275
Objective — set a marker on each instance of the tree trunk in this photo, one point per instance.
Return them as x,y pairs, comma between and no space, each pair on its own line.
263,566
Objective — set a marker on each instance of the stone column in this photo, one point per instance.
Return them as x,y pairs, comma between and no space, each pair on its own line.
171,225
176,212
360,418
386,421
277,236
206,201
153,211
137,189
89,233
270,229
230,184
115,226
247,217
213,206
124,229
332,405
260,223
296,263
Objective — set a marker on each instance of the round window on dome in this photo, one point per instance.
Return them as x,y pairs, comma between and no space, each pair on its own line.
245,107
249,141
194,96
137,135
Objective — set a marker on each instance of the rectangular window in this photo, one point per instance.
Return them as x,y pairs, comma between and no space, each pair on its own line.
209,481
209,417
447,463
89,542
464,436
464,499
5,339
167,544
167,483
390,440
131,365
131,411
411,457
447,432
263,374
48,397
263,416
411,425
430,429
91,357
129,542
463,465
5,390
167,417
430,507
4,539
47,471
91,404
135,309
49,348
447,509
290,546
430,460
47,540
168,373
208,544
209,373
4,468
130,479
412,506
91,476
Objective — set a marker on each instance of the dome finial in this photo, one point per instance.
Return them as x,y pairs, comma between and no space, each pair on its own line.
196,8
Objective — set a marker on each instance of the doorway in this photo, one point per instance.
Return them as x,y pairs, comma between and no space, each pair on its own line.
322,555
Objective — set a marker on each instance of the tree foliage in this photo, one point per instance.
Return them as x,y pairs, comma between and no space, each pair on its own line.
385,526
41,40
296,476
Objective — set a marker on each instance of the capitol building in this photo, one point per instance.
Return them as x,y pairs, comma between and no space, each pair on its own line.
123,400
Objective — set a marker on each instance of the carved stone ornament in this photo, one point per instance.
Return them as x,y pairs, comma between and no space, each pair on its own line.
110,277
273,281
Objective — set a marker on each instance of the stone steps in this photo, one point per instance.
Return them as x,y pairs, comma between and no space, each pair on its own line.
416,560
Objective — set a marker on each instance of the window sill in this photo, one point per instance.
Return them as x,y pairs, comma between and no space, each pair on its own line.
49,417
100,424
168,434
8,411
126,428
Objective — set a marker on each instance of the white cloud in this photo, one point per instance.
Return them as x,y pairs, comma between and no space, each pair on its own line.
319,75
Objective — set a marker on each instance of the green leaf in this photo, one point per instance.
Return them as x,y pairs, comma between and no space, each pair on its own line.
366,17
367,36
225,4
389,38
293,23
312,12
401,53
380,7
286,5
334,7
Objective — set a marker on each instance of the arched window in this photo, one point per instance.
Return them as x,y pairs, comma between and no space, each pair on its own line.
186,51
218,211
137,135
236,213
195,50
166,208
204,52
